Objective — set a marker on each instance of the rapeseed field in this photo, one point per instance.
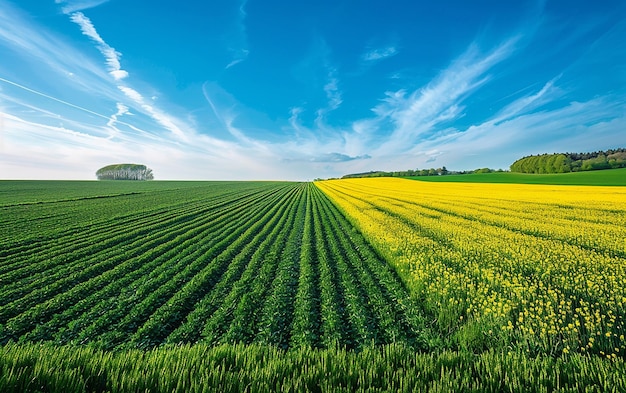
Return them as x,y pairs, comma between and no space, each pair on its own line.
533,267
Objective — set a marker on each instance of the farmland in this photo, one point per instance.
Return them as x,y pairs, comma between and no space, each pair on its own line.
351,285
272,263
536,268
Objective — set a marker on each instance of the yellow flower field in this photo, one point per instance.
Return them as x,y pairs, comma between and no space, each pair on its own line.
535,266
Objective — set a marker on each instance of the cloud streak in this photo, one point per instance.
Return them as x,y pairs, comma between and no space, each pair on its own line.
69,6
380,53
31,43
240,53
111,56
333,96
411,116
338,157
53,98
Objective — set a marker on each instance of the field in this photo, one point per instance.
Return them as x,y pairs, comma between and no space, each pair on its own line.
536,268
352,285
609,177
271,263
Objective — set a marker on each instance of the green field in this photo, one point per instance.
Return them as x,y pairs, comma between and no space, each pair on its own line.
227,286
609,177
272,263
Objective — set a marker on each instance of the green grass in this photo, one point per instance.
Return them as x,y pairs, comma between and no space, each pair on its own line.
256,368
609,177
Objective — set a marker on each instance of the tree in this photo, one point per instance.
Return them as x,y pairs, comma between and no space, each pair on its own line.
125,172
571,162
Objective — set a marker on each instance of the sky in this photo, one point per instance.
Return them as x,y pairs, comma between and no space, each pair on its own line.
275,90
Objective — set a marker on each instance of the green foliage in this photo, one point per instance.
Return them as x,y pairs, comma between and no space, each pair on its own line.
125,172
417,172
570,162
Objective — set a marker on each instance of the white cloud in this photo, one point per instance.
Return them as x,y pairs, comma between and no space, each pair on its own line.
30,43
165,120
121,111
132,94
525,104
112,57
52,98
69,6
411,116
380,53
333,95
577,127
332,91
240,51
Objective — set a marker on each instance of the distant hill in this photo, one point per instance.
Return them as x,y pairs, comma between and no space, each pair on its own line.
571,162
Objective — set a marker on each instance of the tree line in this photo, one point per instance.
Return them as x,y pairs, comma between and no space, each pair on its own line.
125,172
571,162
419,172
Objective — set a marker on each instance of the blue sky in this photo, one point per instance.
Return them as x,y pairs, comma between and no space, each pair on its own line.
248,89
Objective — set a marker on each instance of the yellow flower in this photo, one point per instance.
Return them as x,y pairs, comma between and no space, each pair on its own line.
495,248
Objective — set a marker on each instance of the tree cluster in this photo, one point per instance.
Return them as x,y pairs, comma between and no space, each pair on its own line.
125,172
571,162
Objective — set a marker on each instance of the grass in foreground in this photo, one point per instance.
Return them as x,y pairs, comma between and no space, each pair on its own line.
254,368
609,177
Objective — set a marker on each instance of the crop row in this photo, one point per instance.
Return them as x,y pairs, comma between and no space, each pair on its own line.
270,263
130,250
537,267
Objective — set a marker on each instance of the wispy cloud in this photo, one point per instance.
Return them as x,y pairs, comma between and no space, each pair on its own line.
410,116
69,6
225,109
53,98
338,157
380,53
168,122
548,93
111,56
332,91
240,50
28,42
577,126
333,95
121,111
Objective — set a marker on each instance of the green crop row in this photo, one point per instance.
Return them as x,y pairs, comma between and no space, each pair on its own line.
267,263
